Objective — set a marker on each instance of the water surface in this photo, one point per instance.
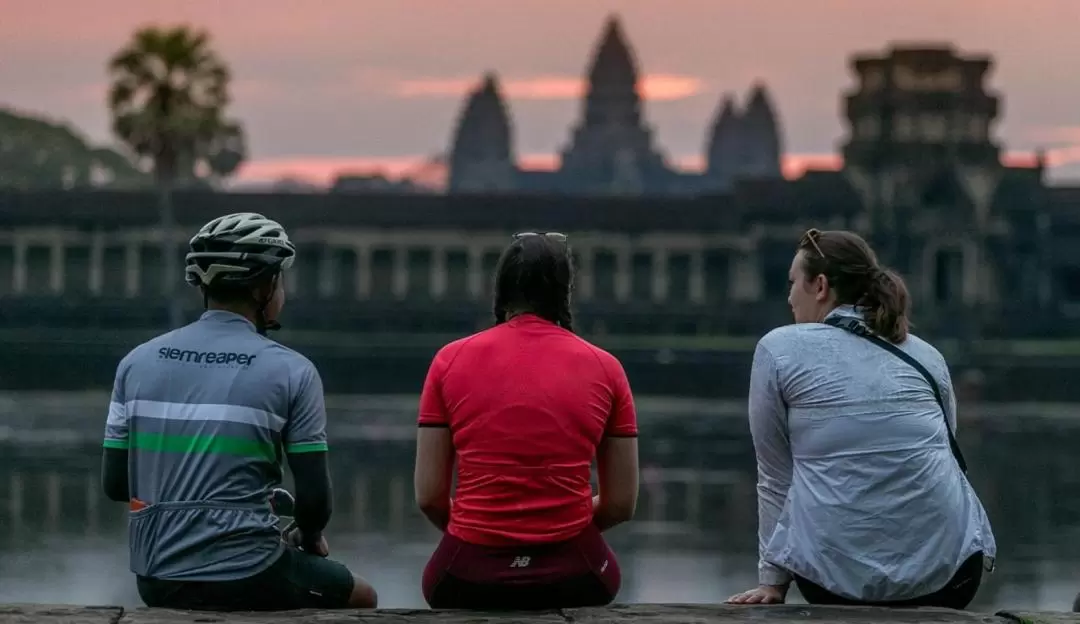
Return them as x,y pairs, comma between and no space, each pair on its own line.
693,541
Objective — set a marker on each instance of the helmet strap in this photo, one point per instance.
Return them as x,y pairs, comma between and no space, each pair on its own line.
261,324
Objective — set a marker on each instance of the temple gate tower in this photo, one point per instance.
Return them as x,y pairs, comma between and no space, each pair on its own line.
920,153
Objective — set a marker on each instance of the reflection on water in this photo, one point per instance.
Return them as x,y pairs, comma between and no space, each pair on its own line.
693,539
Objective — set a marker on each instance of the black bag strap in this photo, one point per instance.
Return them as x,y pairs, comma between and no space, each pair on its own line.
860,329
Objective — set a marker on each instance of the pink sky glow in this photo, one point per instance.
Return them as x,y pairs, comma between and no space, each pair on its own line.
361,84
322,171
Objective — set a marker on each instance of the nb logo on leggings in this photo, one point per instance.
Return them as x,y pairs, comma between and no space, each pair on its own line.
520,562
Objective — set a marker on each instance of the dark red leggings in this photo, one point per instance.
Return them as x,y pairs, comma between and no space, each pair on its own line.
580,572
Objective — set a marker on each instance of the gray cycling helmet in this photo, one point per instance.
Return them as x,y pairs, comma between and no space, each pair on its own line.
235,251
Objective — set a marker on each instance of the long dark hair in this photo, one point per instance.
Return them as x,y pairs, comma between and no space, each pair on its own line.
855,276
535,274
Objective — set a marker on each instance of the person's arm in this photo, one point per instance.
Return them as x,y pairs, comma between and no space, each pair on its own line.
617,457
434,471
307,451
314,492
114,460
768,426
114,474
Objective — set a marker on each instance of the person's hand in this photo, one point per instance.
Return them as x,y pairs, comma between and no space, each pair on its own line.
314,544
762,594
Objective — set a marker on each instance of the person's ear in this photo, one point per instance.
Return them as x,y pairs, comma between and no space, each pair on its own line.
821,287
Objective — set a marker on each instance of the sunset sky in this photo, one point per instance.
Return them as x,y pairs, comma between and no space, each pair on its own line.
324,85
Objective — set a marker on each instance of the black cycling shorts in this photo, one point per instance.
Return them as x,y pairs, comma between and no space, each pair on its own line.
297,580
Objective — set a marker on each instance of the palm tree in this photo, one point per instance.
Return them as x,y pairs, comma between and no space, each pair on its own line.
168,97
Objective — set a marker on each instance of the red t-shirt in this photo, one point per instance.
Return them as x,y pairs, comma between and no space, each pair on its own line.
527,403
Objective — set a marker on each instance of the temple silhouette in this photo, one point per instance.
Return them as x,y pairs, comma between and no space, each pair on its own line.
612,150
673,282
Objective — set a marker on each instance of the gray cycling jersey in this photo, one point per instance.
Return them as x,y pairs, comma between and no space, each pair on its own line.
206,412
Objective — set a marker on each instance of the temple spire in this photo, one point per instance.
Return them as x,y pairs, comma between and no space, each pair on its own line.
724,150
611,149
613,65
489,86
762,135
481,153
612,95
744,144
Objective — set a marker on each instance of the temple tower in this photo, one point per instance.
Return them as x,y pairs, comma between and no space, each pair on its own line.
611,150
743,144
481,154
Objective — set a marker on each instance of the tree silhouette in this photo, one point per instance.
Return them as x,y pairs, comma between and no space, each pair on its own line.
37,153
168,97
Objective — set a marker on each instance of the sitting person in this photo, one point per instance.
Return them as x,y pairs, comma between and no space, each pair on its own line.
862,496
199,421
523,409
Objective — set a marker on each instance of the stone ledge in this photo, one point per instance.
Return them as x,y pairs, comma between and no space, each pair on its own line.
617,614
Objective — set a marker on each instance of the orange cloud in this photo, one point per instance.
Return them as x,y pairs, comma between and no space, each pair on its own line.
655,87
1060,156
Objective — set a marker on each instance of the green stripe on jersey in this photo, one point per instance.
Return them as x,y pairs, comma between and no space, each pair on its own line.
307,447
115,444
204,444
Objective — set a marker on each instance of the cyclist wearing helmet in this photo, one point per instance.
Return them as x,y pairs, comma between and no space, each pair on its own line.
197,423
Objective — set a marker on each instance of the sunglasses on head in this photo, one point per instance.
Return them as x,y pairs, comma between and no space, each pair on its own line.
559,236
812,235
